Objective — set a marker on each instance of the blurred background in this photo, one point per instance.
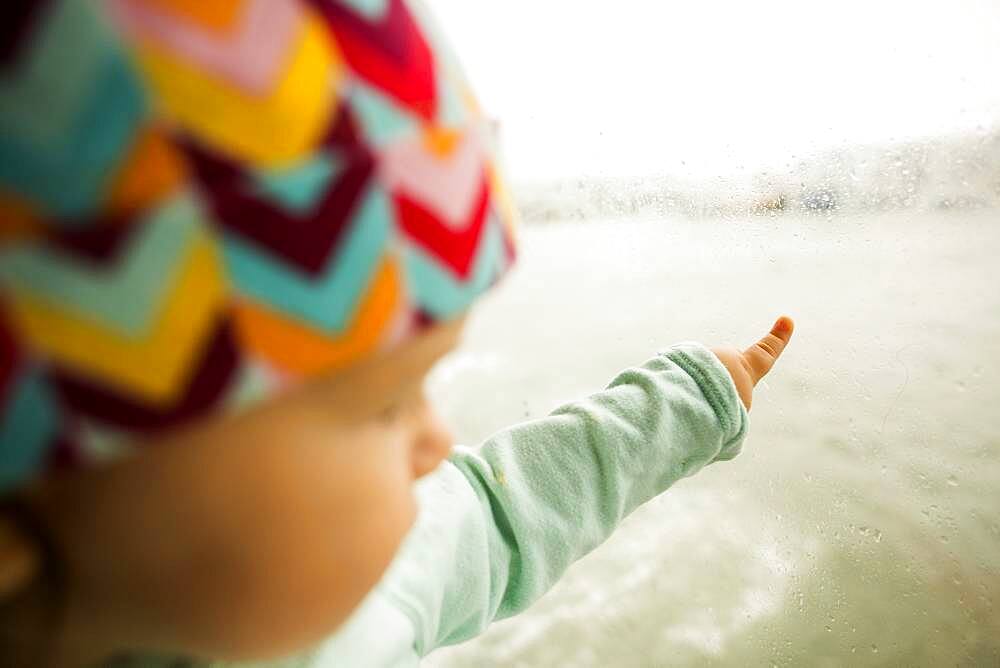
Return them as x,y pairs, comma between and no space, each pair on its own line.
690,171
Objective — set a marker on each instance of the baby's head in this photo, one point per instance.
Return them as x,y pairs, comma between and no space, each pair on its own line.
222,282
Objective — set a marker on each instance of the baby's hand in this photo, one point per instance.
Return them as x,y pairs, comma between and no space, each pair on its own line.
749,366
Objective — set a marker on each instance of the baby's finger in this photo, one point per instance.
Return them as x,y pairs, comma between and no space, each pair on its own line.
762,355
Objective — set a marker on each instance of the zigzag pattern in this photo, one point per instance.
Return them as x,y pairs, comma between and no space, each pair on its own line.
144,350
302,350
71,104
299,212
258,95
203,201
384,46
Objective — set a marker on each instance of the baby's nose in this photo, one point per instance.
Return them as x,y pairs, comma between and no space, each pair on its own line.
432,442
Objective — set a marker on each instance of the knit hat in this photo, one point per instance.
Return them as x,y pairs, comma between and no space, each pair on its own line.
203,202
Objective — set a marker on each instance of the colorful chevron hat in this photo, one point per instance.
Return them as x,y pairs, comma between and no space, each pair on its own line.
201,202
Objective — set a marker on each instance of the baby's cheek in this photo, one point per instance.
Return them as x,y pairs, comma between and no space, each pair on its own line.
340,551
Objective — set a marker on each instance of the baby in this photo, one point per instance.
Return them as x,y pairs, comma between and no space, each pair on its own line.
234,238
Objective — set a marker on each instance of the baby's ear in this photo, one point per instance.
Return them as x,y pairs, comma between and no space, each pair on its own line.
19,558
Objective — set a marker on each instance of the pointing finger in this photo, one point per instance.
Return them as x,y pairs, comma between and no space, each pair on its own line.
761,356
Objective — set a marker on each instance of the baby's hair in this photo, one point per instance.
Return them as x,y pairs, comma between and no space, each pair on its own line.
32,615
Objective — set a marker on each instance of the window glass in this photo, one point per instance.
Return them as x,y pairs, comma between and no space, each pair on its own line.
690,171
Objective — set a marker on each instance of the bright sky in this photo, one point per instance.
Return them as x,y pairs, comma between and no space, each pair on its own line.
640,87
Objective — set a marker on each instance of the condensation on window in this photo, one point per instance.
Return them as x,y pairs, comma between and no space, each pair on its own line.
689,171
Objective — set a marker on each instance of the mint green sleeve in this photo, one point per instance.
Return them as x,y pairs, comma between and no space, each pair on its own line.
500,524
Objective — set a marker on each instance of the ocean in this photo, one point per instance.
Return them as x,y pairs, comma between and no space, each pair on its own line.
861,523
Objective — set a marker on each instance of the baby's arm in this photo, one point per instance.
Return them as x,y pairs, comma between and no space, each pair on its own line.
499,525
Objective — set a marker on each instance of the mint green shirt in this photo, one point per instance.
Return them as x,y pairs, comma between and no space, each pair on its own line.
499,524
